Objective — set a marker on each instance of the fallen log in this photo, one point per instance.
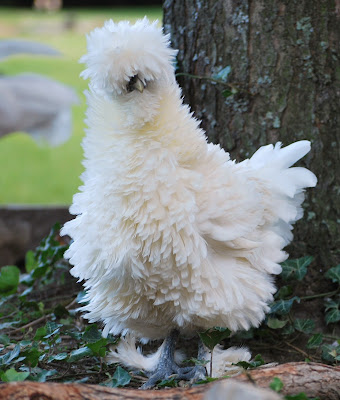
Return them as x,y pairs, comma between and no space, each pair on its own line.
316,380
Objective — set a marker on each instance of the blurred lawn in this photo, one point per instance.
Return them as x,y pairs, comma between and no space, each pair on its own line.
40,175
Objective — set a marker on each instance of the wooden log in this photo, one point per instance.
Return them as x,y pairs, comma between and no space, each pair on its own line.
312,378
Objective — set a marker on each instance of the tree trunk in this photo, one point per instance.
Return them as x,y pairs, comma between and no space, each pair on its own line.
312,379
285,70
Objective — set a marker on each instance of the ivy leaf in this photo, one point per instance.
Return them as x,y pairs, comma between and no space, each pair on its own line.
284,292
227,93
4,339
9,279
329,304
43,374
98,348
329,352
30,261
333,315
334,274
121,377
287,329
282,307
40,333
332,310
299,396
295,269
257,362
60,311
10,356
92,334
32,356
223,74
276,384
213,336
315,341
304,325
274,323
80,353
52,328
57,357
6,325
171,382
196,361
11,375
206,380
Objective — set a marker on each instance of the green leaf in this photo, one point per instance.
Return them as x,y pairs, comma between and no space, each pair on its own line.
120,378
222,75
30,261
6,325
196,361
315,341
300,396
92,334
80,353
276,384
11,375
40,333
329,303
304,325
43,374
333,315
57,357
32,356
227,93
329,352
257,362
206,380
171,382
245,335
213,336
274,323
98,348
282,307
4,339
9,279
52,328
10,356
284,292
60,311
295,269
334,274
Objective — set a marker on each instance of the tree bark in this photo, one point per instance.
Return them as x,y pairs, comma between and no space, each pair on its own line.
284,60
313,379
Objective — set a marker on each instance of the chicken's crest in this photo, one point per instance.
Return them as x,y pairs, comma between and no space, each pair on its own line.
121,52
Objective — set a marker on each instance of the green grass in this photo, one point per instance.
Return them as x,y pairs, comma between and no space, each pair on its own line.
42,175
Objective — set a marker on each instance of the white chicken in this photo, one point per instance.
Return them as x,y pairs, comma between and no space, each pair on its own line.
171,235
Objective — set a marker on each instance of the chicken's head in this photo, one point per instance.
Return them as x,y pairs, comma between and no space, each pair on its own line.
123,59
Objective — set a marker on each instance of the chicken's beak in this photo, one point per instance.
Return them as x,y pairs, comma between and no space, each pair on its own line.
139,85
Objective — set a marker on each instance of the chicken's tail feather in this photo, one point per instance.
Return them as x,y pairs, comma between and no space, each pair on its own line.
281,184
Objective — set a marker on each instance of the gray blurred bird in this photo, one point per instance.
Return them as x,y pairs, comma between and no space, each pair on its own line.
9,47
33,103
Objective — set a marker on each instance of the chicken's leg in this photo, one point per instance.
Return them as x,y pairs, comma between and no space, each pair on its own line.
167,367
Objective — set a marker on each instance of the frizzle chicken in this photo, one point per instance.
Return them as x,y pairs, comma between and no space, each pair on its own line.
171,235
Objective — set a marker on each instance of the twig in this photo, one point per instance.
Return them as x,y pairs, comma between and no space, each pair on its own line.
30,324
41,319
315,296
299,350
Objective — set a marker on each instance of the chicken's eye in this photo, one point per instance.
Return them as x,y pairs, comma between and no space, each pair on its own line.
135,83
